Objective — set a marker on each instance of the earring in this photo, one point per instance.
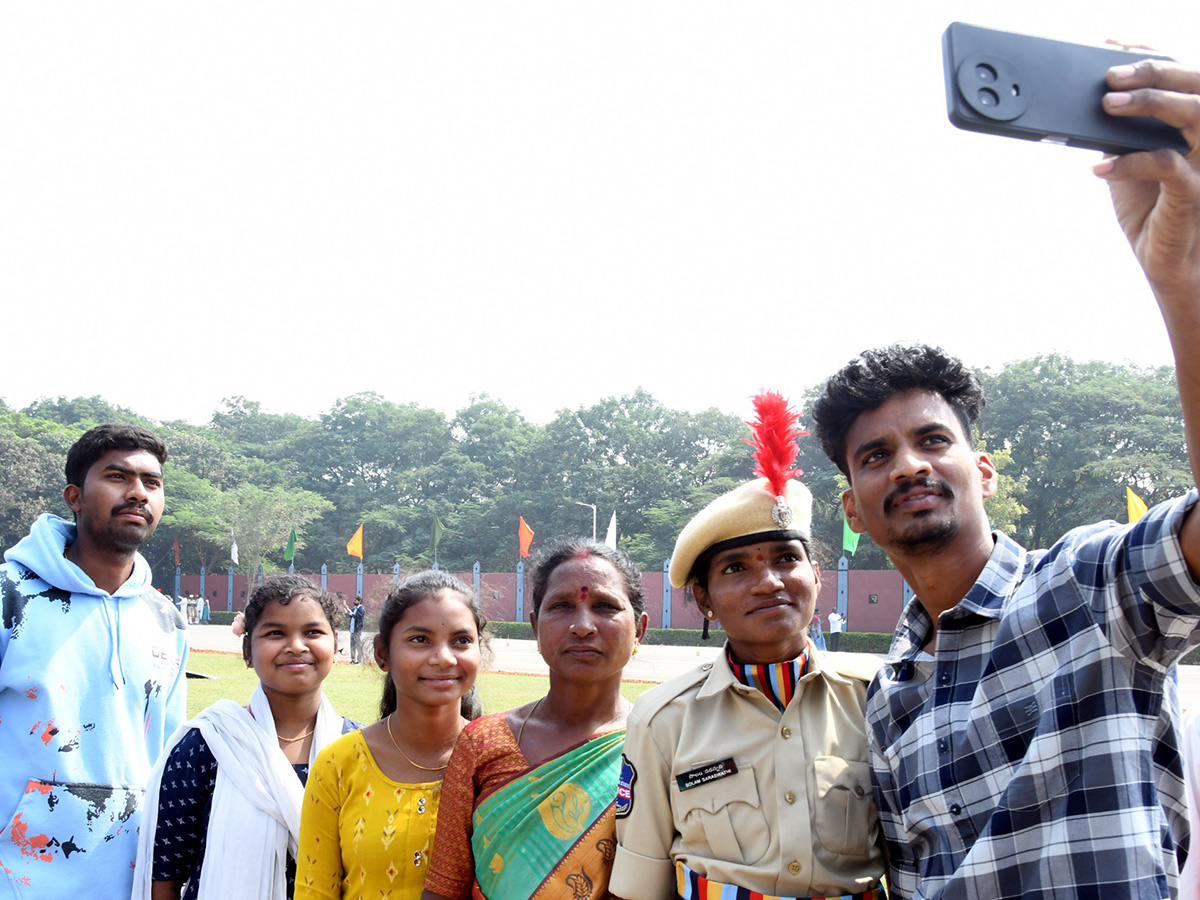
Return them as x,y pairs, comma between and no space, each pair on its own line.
636,645
537,645
710,614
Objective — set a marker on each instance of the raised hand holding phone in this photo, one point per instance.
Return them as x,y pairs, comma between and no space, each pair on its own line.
1037,89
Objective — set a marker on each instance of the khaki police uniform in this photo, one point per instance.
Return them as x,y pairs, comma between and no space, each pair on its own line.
715,777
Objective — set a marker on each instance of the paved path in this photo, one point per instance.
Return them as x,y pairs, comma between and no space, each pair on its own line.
653,663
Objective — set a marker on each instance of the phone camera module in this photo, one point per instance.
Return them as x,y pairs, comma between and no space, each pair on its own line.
991,86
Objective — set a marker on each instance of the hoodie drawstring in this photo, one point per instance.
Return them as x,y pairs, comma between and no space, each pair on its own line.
116,668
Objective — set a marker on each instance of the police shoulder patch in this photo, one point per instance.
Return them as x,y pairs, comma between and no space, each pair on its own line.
624,805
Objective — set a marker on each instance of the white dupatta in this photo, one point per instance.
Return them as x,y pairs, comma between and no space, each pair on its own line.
255,817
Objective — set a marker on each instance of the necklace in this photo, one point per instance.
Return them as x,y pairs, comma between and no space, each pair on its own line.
293,740
525,721
411,761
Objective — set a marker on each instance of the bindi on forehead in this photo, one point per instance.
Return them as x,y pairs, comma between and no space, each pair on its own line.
759,557
583,592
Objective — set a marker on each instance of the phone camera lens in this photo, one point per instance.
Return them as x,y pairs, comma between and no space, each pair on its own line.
988,98
991,86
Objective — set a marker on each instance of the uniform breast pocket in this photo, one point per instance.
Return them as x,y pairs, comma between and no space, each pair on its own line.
846,819
723,818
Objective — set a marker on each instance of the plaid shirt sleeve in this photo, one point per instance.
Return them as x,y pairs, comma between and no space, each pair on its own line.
1036,754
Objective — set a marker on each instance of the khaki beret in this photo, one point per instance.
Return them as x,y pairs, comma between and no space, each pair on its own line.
735,518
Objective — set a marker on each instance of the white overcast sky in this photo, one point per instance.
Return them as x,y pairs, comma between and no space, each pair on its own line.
548,202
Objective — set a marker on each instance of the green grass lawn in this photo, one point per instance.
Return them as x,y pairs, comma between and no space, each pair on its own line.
353,690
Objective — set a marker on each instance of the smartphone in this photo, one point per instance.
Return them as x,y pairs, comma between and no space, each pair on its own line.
1036,89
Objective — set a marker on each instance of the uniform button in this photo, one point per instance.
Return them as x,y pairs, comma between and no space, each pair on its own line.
945,677
859,790
955,809
790,797
786,732
706,666
942,745
794,868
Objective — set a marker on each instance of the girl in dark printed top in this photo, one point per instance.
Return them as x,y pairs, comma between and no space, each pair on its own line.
223,808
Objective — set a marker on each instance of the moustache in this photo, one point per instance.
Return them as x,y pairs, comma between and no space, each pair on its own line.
141,510
939,487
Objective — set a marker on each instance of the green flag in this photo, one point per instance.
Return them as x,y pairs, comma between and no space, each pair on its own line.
849,538
290,553
438,528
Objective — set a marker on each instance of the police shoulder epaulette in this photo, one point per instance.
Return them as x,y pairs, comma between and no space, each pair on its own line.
859,666
651,702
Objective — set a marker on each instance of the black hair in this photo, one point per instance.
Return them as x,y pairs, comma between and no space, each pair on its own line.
871,378
113,436
285,588
565,549
407,594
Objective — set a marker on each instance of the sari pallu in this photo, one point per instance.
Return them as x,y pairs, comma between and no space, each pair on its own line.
551,833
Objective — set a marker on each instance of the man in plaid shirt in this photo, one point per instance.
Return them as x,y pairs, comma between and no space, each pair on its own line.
1023,733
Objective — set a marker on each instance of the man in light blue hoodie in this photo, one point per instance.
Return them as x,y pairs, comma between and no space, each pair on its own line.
92,678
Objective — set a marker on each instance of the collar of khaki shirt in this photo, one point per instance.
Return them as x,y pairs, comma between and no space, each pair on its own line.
840,667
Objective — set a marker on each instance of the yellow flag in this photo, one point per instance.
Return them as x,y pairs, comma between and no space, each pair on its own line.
1137,506
354,548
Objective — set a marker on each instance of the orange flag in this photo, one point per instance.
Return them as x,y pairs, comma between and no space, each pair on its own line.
354,548
525,535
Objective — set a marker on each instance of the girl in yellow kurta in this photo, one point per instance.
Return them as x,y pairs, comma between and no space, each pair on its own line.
370,806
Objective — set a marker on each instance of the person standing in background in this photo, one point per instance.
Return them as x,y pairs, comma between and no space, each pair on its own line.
837,622
358,618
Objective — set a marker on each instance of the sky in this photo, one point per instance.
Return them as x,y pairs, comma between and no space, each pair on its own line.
548,202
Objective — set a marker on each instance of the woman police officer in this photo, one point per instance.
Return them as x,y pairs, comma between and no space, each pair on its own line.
751,771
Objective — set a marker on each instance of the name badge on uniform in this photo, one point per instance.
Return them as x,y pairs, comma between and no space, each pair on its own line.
705,774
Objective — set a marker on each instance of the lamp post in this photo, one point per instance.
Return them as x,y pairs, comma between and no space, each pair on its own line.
593,506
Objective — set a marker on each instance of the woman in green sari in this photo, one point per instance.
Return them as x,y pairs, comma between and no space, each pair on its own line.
527,800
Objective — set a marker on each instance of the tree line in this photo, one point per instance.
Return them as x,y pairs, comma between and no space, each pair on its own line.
1068,438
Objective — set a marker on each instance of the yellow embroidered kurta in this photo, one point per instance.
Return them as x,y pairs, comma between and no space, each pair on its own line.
363,835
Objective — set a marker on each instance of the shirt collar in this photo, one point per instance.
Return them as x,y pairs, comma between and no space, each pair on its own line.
721,678
988,596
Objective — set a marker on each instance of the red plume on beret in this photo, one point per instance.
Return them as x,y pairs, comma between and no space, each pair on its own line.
774,432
